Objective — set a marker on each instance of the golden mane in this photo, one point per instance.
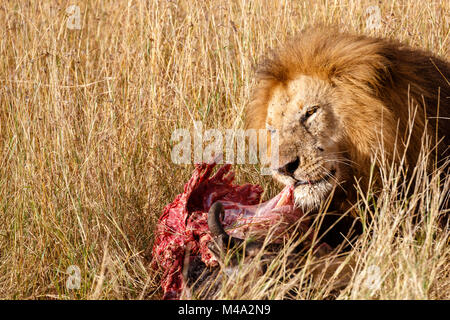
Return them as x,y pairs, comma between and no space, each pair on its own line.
382,78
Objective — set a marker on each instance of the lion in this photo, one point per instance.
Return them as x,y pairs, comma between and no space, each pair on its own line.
338,100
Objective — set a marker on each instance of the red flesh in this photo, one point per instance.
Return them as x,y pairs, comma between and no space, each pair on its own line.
183,223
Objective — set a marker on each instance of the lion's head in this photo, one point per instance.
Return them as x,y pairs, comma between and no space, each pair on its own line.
337,100
311,152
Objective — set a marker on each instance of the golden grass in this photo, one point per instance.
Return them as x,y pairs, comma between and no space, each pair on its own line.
86,118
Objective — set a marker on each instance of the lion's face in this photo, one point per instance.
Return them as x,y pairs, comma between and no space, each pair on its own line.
310,156
341,104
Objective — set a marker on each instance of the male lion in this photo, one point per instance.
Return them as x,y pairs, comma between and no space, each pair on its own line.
337,100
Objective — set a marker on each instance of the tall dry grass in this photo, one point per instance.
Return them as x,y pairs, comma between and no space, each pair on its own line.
86,118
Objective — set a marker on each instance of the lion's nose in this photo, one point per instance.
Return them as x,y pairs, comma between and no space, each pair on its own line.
289,168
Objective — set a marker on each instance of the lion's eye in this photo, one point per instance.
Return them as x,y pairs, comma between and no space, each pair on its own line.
311,111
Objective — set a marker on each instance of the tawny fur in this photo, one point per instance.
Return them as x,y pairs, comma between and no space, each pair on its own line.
375,86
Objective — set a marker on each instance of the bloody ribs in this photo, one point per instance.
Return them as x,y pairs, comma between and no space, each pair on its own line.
183,228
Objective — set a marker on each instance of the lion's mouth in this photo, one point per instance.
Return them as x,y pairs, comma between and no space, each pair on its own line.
326,178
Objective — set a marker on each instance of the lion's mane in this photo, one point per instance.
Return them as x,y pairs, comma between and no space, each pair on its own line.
378,80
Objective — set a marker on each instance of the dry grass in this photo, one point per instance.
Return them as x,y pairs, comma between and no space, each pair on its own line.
86,118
